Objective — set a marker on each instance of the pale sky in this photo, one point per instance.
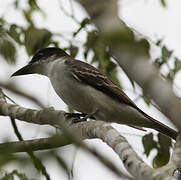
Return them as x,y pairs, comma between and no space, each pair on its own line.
147,17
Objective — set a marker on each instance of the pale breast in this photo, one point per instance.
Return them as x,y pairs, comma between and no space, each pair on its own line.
70,90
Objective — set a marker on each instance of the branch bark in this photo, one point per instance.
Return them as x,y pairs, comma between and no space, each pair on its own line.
84,130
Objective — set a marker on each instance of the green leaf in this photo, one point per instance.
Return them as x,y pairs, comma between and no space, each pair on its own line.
170,76
158,62
36,39
177,67
160,160
28,16
14,175
28,13
164,142
73,50
85,22
82,25
112,73
162,146
163,154
166,54
177,64
16,4
91,40
15,32
163,3
148,143
33,5
7,50
158,43
2,30
101,56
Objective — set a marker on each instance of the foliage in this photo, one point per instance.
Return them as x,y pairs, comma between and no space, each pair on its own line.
168,59
95,50
14,175
101,55
162,145
30,37
7,47
163,3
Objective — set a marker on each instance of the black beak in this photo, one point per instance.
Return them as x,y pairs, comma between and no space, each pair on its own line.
28,69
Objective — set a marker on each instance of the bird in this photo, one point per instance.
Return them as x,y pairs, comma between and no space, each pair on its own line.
85,89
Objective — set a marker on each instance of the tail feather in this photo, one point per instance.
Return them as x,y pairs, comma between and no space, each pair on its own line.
166,131
160,127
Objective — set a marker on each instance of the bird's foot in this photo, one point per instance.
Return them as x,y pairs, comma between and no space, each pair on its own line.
88,116
75,115
83,117
77,120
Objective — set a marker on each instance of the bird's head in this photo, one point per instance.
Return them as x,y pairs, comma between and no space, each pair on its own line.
40,61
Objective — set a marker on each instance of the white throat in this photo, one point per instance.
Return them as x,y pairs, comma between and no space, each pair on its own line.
53,65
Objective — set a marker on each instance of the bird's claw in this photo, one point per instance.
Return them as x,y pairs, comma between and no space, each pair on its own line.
80,117
77,120
75,115
86,116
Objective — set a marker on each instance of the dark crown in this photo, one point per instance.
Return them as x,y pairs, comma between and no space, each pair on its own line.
43,54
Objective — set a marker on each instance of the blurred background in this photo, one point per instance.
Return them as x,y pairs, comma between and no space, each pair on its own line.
27,25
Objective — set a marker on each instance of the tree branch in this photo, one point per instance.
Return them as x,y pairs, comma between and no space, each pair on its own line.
72,133
33,116
37,162
91,129
84,130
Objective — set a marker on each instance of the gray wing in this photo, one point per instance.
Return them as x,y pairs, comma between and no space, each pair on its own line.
92,76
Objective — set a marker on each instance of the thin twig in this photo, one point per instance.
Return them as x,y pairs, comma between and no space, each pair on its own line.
37,163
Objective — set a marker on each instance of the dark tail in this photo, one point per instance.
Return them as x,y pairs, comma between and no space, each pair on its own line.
161,127
165,130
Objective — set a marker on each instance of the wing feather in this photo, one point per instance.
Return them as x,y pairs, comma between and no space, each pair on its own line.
92,76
